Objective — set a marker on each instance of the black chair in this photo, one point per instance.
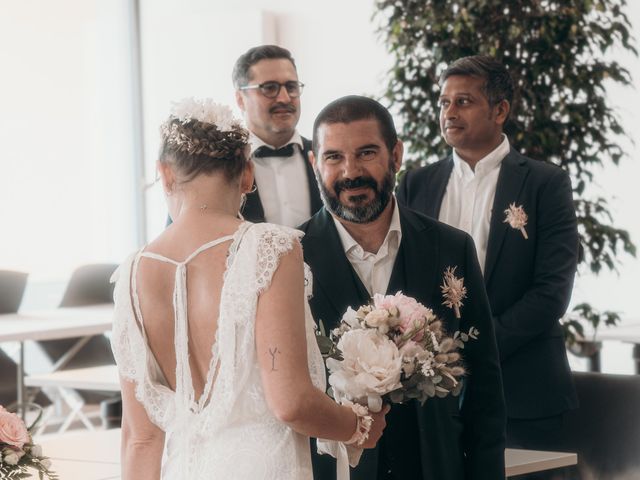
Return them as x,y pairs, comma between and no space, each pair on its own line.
88,285
12,286
605,430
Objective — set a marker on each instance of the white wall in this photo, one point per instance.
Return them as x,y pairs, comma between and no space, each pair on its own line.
66,157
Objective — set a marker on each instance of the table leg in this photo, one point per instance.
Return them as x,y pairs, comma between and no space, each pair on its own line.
636,356
21,391
594,362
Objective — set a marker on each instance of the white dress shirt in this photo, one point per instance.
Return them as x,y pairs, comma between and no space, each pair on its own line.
282,184
374,269
468,200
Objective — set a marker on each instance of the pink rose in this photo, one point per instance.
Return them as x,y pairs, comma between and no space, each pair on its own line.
2,409
12,430
412,313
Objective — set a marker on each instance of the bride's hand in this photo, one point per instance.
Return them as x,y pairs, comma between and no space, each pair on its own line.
376,427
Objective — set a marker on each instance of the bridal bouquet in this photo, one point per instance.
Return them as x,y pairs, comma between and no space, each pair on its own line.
18,453
394,350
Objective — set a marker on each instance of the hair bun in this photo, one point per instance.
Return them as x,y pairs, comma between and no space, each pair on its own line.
200,129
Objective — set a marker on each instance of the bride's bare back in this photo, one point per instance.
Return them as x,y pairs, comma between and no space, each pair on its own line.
155,287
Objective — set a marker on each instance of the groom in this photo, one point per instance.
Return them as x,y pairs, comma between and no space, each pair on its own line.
361,243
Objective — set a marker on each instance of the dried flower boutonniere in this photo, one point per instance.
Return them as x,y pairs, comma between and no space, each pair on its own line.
453,290
517,218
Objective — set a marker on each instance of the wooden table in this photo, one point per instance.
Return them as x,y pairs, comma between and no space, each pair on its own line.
627,333
96,455
103,379
519,462
51,325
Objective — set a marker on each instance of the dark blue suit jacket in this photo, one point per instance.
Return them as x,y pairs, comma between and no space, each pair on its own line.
528,282
446,439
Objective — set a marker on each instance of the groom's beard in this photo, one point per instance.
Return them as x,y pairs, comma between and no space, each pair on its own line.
361,212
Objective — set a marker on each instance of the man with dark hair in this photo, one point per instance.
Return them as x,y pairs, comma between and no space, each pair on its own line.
521,216
362,243
268,93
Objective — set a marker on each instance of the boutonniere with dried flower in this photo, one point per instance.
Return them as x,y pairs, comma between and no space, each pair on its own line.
453,290
517,218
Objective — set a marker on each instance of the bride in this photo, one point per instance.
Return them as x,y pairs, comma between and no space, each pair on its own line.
221,376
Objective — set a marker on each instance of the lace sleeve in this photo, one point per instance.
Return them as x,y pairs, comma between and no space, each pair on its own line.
126,339
273,241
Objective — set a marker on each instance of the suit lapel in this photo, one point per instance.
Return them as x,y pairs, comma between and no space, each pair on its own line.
414,271
314,192
437,188
513,172
331,270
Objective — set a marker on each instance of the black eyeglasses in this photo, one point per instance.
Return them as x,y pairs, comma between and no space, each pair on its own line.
272,89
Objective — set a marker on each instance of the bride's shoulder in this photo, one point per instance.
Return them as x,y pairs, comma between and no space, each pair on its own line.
123,272
278,236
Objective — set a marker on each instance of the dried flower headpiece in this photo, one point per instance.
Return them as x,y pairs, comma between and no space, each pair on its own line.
202,126
517,218
453,290
205,110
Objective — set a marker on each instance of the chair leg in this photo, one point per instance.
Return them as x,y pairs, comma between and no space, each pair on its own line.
75,404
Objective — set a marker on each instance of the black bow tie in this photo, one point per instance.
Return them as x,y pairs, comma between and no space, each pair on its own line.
265,151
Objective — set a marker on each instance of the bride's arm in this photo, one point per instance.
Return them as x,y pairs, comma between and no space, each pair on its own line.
142,441
282,356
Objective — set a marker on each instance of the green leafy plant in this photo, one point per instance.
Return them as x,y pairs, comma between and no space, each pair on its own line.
558,53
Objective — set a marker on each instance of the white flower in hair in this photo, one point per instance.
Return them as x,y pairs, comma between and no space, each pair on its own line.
205,110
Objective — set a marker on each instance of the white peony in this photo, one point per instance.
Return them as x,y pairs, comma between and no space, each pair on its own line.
370,368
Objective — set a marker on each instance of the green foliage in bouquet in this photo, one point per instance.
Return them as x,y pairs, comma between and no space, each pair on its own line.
559,55
327,347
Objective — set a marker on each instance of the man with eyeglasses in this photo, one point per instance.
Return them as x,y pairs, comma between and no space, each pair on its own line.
268,93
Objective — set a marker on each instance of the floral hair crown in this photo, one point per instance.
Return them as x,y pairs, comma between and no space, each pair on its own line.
202,126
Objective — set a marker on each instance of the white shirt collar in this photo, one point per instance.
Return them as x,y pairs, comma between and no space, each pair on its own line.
256,142
349,244
492,160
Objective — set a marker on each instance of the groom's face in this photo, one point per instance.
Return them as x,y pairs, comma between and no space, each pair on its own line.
355,169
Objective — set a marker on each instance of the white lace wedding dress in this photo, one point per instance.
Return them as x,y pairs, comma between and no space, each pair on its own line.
228,433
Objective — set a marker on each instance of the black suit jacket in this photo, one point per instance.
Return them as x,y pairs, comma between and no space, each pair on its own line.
253,210
529,282
446,439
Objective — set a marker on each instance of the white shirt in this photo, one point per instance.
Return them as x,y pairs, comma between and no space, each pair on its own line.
282,183
374,269
468,200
